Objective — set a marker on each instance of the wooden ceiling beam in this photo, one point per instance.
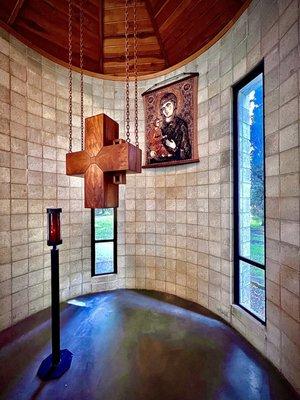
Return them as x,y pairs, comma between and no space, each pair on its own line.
15,12
101,35
157,33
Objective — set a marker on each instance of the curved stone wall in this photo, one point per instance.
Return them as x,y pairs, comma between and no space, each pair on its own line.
175,223
179,220
33,144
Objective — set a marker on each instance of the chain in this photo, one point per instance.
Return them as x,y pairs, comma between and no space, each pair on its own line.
135,77
81,73
70,76
127,119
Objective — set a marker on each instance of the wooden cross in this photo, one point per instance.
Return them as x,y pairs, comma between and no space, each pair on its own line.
104,162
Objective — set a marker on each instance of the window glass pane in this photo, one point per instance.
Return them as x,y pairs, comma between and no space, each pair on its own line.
104,223
104,257
252,289
251,170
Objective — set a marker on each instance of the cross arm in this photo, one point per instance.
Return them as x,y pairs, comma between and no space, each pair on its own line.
121,156
77,163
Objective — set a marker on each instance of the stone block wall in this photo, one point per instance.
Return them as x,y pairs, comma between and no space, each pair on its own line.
179,220
34,139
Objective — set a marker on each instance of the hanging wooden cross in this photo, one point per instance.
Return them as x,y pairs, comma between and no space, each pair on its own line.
106,159
104,162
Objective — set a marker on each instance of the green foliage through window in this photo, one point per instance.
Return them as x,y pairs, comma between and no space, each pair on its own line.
103,241
249,194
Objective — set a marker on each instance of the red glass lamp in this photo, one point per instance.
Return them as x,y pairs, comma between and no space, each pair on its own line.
54,237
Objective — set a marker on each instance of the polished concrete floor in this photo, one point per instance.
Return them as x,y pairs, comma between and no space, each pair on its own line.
137,345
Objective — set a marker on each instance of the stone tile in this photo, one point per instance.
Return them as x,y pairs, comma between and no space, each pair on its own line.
4,174
289,89
289,208
17,100
289,65
4,79
288,18
272,165
290,232
289,185
289,279
4,95
18,131
4,62
289,255
19,298
18,85
289,161
290,327
270,39
5,273
288,137
288,113
19,283
4,142
5,289
290,303
271,80
4,110
289,41
4,46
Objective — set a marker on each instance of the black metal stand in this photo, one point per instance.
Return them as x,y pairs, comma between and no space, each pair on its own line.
57,363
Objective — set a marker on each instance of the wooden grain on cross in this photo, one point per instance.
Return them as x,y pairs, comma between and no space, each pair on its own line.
104,162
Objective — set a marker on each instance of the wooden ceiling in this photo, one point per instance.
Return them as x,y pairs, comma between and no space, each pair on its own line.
169,31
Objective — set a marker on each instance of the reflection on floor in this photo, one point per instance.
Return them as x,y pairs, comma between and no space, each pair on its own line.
137,345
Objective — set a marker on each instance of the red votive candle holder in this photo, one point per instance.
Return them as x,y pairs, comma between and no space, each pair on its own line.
54,237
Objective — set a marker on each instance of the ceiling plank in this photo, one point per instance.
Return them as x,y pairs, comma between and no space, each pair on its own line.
156,31
116,29
101,35
15,12
203,36
57,49
117,15
90,10
193,15
148,50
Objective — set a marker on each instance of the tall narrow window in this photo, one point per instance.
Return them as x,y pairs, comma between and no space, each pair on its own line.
104,241
249,194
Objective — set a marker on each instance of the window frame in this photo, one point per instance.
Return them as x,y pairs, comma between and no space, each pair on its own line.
259,69
94,241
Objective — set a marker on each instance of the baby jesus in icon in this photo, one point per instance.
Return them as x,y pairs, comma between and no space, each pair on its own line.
157,150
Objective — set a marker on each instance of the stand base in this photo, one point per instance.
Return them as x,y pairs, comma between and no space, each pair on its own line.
47,371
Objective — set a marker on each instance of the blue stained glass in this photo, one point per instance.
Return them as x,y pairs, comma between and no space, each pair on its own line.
251,171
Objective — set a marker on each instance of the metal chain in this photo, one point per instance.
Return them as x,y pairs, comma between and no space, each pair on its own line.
136,127
127,106
81,74
70,76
